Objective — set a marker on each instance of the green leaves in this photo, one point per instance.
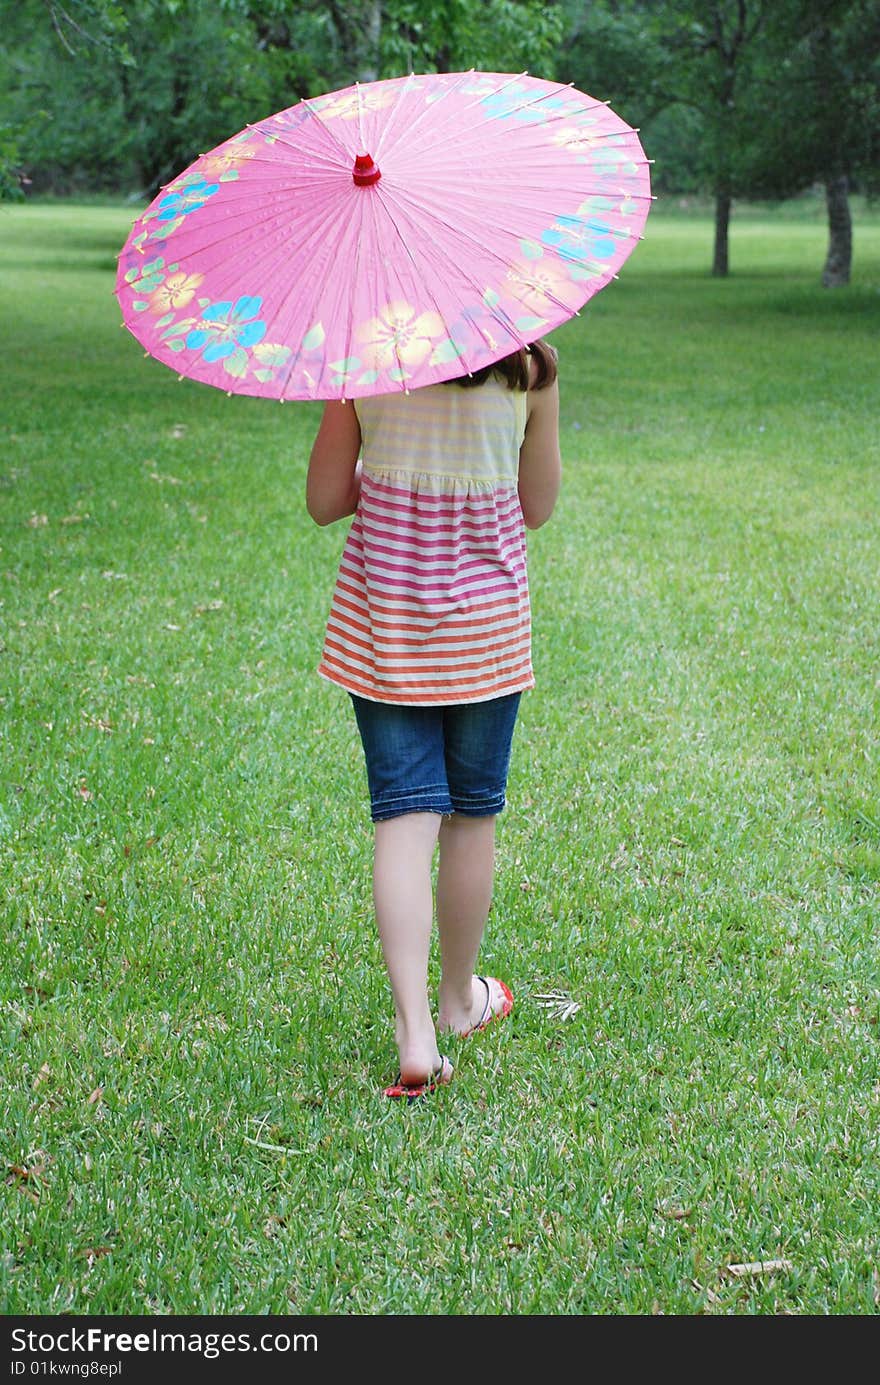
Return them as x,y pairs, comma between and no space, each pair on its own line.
531,249
166,228
447,350
146,277
179,329
236,364
455,35
314,338
270,353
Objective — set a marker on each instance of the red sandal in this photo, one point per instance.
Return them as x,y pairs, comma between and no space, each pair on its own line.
411,1091
489,1014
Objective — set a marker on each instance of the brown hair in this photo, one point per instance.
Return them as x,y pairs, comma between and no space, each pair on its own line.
516,369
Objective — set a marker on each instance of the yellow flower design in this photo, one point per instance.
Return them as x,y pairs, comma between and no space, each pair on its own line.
540,286
399,336
346,107
175,293
576,139
225,161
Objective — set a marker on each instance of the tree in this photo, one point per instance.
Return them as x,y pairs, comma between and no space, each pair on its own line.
715,51
33,31
823,75
371,39
695,55
745,97
133,93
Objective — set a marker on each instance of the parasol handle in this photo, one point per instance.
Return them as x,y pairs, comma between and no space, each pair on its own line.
365,171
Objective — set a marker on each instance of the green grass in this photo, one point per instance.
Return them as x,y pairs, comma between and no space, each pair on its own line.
195,1017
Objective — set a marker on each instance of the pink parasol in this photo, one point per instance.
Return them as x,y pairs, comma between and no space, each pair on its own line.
384,237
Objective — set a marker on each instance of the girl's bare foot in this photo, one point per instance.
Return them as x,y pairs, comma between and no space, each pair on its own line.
489,999
418,1064
410,1091
417,1051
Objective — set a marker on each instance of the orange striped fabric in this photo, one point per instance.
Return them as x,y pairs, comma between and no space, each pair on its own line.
431,604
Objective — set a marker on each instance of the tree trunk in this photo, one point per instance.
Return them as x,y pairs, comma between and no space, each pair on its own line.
720,260
839,260
369,67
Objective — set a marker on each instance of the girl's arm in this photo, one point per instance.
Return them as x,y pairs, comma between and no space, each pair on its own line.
334,482
540,465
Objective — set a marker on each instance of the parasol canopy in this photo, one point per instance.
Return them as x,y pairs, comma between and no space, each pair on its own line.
391,235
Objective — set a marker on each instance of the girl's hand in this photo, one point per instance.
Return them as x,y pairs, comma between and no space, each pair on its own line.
334,479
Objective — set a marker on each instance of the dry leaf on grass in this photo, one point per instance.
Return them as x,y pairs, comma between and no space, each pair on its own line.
272,1149
99,723
675,1213
557,1004
755,1267
22,1171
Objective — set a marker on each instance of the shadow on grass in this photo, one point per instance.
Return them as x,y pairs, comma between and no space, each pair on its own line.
829,305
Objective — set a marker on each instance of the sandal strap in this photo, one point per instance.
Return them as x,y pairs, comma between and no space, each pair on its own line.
488,1006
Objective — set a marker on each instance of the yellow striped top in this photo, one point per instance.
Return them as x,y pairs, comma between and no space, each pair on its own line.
431,604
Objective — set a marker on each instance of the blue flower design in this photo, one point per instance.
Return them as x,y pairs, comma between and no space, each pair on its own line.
509,102
222,327
190,199
574,238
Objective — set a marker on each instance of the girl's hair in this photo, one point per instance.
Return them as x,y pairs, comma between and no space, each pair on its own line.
515,369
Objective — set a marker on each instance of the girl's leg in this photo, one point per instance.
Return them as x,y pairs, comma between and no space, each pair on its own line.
464,893
404,849
477,741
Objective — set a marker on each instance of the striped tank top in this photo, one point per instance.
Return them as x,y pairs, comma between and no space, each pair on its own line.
431,604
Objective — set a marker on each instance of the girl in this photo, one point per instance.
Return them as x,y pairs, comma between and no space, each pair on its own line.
429,632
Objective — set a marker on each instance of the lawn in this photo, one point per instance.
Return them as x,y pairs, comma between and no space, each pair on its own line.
195,1018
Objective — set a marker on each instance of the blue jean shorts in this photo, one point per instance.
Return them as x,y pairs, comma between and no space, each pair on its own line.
451,759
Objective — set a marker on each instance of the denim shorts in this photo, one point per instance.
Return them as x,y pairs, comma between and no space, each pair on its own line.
451,759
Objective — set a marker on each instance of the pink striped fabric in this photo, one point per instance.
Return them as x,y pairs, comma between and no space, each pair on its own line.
431,604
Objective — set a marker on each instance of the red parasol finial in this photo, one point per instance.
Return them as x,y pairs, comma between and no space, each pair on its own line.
365,171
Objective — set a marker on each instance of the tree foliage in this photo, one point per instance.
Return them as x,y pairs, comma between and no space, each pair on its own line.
695,58
788,80
130,94
740,98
